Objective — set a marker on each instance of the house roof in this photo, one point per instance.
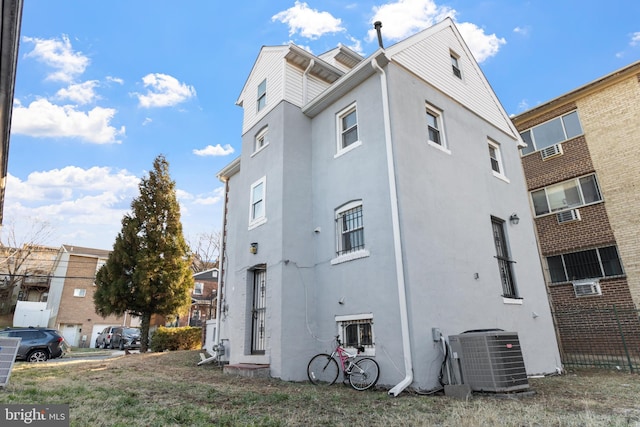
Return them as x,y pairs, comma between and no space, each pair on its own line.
301,58
211,274
79,250
596,84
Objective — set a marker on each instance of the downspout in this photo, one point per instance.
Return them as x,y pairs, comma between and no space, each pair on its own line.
397,242
223,244
305,80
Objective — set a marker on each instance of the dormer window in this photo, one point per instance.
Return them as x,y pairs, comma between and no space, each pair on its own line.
262,94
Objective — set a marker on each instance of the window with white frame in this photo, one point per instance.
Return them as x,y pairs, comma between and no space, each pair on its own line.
257,202
198,288
551,132
357,331
588,264
455,66
347,128
262,94
495,157
435,126
261,140
349,228
505,263
79,293
566,195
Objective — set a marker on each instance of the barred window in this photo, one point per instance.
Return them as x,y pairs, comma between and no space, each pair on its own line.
349,228
357,331
504,260
589,264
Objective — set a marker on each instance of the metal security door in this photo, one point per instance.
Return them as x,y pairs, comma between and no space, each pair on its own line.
258,310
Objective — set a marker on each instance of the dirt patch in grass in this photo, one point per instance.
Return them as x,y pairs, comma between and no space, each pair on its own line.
168,389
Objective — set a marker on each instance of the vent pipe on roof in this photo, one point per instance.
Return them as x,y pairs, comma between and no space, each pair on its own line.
377,25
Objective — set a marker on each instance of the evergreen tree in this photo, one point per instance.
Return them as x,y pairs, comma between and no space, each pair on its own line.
148,272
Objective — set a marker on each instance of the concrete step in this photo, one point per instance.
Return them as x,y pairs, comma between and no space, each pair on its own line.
249,370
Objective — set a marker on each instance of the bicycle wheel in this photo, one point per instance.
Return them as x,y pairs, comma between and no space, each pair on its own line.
322,370
364,374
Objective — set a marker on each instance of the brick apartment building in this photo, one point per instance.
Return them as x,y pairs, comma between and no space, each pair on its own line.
71,292
582,168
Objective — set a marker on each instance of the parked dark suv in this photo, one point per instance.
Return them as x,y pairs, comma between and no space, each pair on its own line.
124,337
38,344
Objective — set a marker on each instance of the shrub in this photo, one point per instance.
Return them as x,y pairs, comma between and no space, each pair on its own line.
185,338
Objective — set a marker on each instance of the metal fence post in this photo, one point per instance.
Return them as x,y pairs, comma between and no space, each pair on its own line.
624,343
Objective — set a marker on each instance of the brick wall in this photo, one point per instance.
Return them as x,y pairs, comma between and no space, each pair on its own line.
575,162
81,310
611,121
591,231
596,325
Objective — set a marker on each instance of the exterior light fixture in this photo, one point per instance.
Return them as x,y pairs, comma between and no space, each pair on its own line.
513,219
253,248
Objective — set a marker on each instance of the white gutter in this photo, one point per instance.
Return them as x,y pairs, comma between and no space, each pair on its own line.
305,82
397,242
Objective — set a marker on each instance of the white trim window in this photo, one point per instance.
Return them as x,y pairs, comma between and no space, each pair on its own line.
198,288
257,203
495,157
357,331
435,128
262,95
349,228
81,293
455,65
551,132
566,195
347,125
261,140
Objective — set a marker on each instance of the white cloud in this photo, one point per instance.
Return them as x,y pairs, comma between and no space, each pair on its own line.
523,105
482,45
44,119
404,18
146,121
208,200
81,93
115,80
635,39
217,150
59,55
523,31
309,23
164,91
84,205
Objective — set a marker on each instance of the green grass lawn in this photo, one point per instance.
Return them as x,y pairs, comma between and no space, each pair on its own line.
168,389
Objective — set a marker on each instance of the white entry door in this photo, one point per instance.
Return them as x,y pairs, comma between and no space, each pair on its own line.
70,334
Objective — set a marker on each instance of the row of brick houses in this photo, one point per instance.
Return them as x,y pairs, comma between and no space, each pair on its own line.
65,285
582,167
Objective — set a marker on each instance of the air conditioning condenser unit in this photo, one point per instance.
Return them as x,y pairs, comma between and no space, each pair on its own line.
489,361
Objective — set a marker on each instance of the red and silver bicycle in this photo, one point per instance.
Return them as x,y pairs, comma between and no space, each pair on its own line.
362,373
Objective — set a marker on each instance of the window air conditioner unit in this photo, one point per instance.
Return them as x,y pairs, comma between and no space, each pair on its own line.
490,361
585,288
568,216
551,151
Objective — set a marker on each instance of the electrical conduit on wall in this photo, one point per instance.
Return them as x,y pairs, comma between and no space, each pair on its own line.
397,243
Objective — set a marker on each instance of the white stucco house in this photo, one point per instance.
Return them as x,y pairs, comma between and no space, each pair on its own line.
372,200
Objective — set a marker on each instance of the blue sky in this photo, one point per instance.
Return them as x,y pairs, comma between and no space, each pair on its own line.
102,88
